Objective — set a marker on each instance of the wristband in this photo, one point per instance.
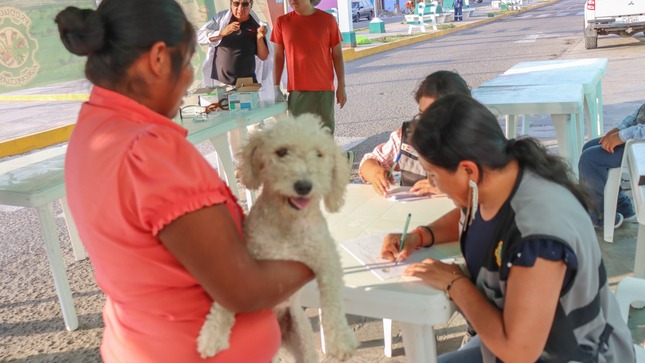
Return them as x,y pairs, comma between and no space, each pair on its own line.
431,235
447,290
420,239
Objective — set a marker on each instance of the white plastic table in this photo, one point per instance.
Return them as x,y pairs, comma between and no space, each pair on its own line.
563,102
416,306
38,185
587,72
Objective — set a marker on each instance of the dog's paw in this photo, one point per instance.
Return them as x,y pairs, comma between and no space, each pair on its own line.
210,344
343,345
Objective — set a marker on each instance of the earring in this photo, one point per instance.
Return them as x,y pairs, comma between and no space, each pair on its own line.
474,200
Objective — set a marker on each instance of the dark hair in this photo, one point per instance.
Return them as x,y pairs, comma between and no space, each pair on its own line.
457,128
440,84
118,32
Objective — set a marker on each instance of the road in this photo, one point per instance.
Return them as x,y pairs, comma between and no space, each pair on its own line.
380,87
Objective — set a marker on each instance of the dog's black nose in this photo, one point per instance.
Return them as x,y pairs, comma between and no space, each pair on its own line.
302,187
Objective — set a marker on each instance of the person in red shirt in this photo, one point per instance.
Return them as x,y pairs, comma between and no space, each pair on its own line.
310,40
162,230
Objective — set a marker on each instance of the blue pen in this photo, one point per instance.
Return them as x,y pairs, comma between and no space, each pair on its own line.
405,234
396,162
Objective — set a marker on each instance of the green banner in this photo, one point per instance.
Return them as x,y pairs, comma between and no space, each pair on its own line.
31,53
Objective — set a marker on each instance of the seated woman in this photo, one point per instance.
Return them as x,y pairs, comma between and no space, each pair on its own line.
534,286
375,166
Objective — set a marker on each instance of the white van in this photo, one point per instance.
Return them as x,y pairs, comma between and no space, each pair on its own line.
603,17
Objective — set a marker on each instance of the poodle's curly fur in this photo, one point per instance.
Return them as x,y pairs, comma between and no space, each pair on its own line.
298,165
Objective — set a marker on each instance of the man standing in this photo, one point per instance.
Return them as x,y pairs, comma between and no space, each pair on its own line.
311,42
238,48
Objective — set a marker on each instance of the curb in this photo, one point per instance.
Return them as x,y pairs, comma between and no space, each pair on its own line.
23,144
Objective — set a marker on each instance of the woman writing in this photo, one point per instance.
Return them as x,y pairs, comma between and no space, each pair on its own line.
162,230
535,287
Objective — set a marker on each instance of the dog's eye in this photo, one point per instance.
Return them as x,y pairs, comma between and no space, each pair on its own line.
282,152
319,154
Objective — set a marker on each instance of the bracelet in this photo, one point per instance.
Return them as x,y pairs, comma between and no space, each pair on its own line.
420,238
447,290
431,235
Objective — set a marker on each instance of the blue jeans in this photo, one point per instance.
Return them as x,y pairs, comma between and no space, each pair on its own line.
593,168
469,353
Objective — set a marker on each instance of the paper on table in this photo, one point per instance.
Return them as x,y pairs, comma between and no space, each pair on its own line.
403,194
367,250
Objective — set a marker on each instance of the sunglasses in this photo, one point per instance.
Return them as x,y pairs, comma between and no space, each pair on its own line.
244,4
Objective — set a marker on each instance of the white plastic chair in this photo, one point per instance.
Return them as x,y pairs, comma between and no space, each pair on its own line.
631,291
611,193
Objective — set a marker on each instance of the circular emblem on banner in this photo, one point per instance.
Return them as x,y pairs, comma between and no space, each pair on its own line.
18,49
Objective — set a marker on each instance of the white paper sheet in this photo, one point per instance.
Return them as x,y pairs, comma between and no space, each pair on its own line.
367,250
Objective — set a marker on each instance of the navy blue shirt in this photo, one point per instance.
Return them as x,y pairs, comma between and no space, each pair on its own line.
479,243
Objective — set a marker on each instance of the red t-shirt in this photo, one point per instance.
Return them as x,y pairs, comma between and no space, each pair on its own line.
129,172
307,42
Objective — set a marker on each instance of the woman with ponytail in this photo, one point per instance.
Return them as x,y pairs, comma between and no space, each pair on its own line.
534,287
162,230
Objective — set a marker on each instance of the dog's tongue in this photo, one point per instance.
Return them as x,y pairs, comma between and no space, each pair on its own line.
299,203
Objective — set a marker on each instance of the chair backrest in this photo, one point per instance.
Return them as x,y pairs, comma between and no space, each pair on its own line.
421,8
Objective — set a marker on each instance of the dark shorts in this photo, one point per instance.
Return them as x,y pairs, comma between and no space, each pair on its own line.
320,103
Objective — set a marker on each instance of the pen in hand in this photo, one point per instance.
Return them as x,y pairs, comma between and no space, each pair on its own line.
396,162
405,233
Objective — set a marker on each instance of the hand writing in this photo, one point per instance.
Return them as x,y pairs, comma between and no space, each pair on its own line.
380,181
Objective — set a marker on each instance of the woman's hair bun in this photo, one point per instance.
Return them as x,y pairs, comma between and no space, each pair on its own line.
81,30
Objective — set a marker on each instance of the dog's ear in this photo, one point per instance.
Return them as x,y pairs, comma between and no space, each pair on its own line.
335,199
251,162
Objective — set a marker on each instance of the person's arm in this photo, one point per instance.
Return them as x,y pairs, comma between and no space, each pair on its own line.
228,30
263,48
207,243
207,31
372,172
628,121
513,335
375,165
278,63
444,229
636,132
339,68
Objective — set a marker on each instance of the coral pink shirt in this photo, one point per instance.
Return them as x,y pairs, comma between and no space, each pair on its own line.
128,172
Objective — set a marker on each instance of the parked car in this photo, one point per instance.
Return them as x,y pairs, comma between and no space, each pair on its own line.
603,17
362,9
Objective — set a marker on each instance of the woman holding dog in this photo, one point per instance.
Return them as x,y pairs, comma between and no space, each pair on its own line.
534,287
162,230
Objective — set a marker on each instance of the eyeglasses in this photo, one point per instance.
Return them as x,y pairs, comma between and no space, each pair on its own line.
244,4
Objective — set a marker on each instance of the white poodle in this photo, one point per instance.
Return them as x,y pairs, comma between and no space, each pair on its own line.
297,164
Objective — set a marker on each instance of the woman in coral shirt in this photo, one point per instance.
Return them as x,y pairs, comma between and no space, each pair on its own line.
162,230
